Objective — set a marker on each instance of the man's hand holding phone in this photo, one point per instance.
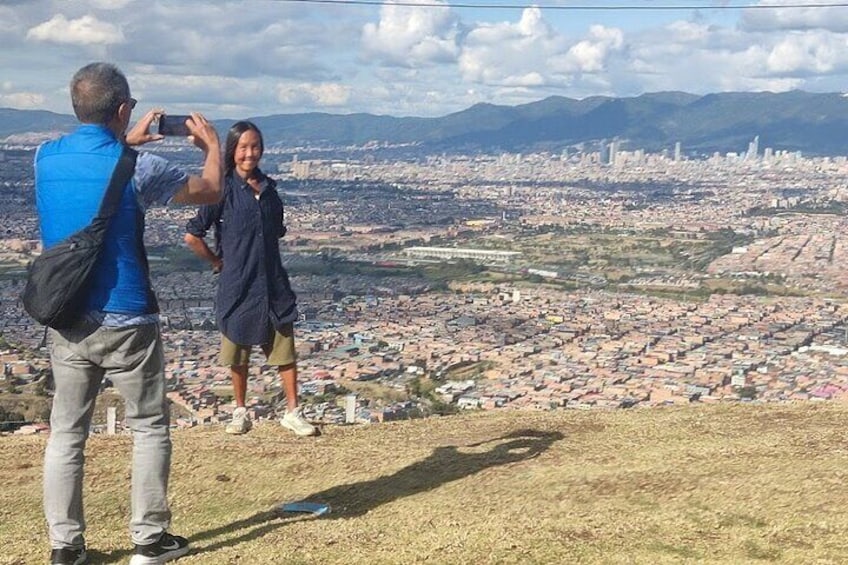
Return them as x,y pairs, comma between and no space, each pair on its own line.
174,125
202,133
140,132
194,126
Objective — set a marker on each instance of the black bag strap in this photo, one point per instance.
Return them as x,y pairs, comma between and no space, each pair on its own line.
120,177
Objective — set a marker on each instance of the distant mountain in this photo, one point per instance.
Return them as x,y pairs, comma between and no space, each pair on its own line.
25,122
815,124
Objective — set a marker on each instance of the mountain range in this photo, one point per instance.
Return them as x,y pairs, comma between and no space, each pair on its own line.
813,123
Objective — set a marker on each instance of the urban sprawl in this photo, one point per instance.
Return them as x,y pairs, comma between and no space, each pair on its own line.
576,280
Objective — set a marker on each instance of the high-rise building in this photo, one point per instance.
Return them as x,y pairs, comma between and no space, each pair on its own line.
604,151
613,151
753,149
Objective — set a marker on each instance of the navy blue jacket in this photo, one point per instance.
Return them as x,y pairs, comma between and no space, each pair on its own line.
254,293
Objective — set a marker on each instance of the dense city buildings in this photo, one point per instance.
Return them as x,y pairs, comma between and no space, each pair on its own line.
534,281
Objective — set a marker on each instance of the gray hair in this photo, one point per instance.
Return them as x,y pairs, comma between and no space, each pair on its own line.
97,90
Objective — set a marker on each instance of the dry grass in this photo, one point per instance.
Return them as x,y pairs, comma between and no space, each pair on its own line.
710,484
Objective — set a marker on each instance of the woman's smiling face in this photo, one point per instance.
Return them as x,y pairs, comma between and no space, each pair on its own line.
247,153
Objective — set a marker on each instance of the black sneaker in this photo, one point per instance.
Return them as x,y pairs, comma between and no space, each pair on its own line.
166,549
67,556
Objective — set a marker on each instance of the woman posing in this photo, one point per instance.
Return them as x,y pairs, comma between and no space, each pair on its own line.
255,303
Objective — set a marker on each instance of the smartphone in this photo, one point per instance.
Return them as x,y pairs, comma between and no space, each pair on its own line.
173,124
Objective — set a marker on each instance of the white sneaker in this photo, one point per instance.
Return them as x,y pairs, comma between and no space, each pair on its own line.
240,424
294,421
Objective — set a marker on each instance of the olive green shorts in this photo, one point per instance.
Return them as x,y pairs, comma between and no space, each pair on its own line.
281,352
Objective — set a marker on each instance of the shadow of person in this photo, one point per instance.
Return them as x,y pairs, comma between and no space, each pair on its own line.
444,465
98,557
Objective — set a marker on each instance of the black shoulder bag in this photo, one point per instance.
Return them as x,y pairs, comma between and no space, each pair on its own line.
55,292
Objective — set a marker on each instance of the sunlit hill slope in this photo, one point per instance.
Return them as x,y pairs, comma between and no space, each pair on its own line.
709,484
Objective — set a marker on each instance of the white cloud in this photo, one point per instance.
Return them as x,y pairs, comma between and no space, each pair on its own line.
22,100
236,43
510,53
716,60
808,53
531,28
87,30
411,36
230,61
321,95
701,59
687,32
795,18
528,79
590,55
529,59
180,94
111,4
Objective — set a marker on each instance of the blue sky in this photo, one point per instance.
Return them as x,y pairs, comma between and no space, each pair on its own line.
259,57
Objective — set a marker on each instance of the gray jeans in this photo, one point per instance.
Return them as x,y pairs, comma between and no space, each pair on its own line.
133,360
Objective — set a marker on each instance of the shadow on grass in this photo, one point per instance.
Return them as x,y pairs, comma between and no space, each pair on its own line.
100,558
444,465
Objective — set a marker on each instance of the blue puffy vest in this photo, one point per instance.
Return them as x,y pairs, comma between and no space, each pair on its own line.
71,175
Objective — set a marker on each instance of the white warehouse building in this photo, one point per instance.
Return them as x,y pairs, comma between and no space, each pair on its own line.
482,255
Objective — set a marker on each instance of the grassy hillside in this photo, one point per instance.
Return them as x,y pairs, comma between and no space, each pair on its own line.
708,484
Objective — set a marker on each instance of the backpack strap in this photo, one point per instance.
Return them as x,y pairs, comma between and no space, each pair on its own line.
120,177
